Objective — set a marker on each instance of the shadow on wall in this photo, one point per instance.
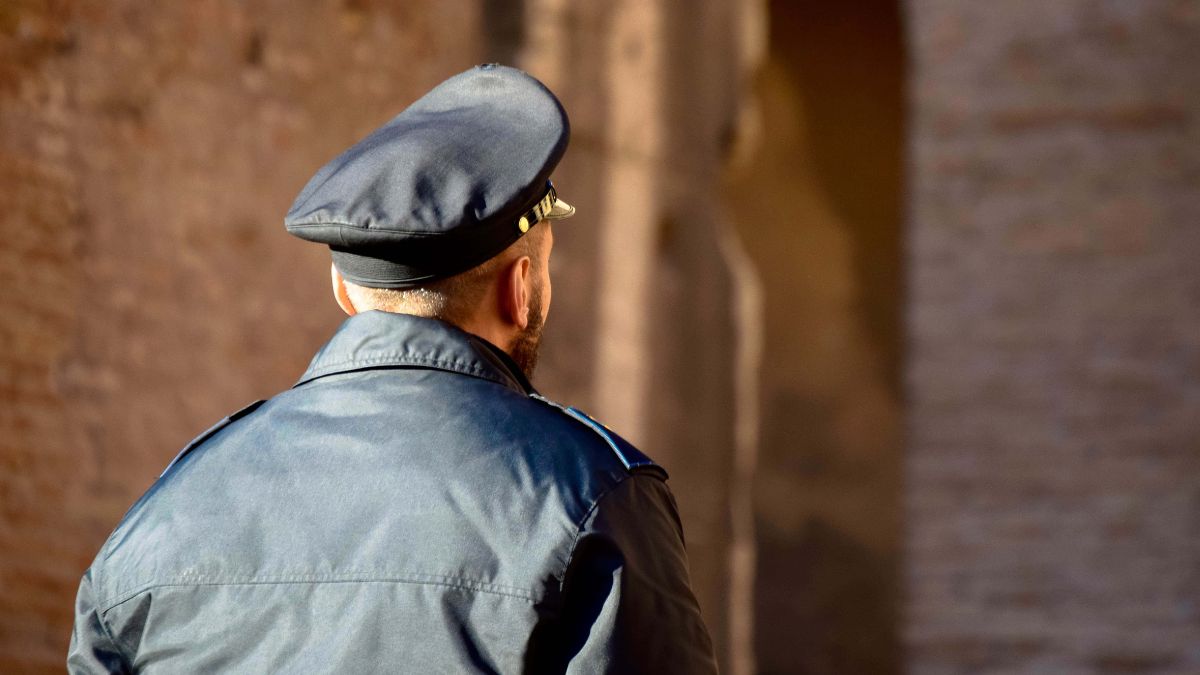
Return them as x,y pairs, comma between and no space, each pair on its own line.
817,201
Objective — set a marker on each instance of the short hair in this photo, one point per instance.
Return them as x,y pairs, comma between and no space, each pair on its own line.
453,299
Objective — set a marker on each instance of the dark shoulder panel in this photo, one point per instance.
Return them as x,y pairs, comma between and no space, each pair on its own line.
634,460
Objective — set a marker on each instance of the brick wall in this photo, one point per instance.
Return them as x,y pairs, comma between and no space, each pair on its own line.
40,305
1053,469
148,152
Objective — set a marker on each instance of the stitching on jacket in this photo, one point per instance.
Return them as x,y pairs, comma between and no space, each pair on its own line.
420,579
400,360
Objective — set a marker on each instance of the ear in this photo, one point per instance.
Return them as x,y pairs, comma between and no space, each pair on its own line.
339,291
515,292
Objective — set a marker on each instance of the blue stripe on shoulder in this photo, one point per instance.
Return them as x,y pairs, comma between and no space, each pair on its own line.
632,458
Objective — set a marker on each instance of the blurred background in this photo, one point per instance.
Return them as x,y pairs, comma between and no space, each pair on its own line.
905,294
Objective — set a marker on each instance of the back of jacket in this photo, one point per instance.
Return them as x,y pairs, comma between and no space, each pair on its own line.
412,505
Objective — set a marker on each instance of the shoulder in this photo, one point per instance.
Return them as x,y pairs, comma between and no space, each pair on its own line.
212,431
630,458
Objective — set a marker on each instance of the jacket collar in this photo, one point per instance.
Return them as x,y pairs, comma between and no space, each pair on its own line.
386,340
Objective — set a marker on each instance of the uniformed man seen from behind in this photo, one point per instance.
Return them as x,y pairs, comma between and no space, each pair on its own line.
411,504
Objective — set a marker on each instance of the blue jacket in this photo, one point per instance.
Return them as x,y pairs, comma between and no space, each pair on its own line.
411,505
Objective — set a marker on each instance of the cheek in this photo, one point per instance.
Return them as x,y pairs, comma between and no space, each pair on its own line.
547,264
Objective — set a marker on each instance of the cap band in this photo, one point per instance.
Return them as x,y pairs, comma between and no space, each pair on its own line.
540,211
440,257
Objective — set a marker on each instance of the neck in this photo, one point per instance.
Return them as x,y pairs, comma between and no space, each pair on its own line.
490,331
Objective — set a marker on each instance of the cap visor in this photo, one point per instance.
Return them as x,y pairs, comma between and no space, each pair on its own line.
560,209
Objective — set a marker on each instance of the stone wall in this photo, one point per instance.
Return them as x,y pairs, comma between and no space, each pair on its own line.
1053,471
148,152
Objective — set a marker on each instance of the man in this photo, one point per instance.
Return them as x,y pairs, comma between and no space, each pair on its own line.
412,504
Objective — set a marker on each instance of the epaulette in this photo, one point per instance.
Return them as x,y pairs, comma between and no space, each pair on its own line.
634,460
209,433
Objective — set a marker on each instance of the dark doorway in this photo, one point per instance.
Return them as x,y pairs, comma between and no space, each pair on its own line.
819,207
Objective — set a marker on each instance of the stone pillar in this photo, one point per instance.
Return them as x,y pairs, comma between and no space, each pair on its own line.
650,293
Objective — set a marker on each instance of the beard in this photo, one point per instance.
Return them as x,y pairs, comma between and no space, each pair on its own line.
524,349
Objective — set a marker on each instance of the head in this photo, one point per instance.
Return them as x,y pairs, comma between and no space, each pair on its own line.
417,198
505,300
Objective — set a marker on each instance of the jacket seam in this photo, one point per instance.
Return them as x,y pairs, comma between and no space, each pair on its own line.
126,659
417,579
562,577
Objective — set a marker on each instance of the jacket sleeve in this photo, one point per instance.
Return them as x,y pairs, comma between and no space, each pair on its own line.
92,648
628,602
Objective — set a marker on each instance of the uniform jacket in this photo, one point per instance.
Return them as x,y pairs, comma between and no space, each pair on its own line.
411,505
